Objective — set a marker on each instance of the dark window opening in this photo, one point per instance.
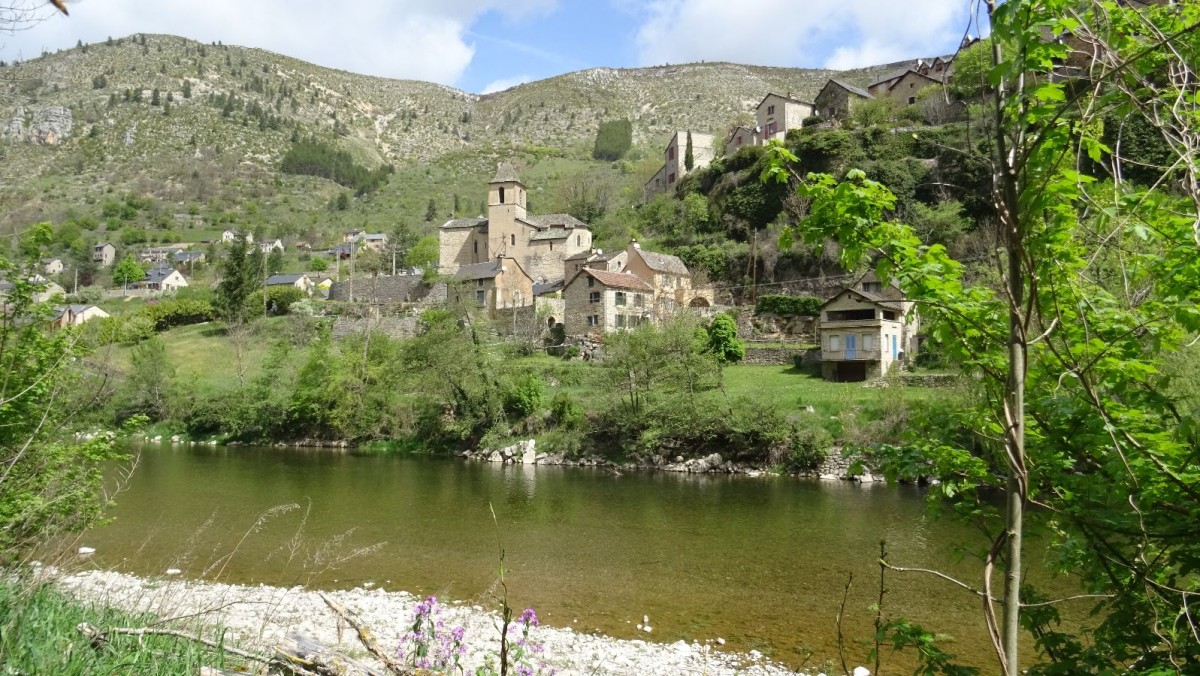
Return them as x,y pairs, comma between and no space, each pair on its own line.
848,315
889,315
502,195
513,239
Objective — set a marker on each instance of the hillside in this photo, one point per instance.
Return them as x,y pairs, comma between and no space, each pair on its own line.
81,126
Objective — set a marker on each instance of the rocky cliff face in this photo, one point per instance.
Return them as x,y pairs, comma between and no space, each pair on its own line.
48,126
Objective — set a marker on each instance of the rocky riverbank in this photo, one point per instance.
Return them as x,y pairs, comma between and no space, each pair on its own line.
835,466
259,617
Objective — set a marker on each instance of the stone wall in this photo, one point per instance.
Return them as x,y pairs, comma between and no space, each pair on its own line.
768,326
837,466
392,327
769,356
390,289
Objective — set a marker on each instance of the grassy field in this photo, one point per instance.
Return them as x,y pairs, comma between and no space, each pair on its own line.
203,354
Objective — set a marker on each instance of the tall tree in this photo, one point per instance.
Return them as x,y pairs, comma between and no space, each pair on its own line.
1071,358
239,279
128,271
689,158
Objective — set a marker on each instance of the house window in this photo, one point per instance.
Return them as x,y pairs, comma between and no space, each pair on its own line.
476,247
479,283
671,177
552,246
872,287
502,195
868,342
591,281
770,110
593,320
889,315
671,153
578,240
620,321
638,300
594,297
620,300
835,343
516,298
481,296
912,100
512,240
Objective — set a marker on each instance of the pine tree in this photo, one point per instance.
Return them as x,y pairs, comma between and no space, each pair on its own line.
431,211
155,100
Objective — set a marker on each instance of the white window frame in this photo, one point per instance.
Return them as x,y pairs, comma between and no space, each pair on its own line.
835,342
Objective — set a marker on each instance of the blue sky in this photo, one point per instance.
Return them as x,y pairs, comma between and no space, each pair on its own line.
486,45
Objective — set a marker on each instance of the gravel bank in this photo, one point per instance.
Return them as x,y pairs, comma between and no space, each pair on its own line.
256,617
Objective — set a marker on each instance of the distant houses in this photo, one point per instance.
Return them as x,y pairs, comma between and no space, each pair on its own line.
52,266
675,164
162,278
104,254
495,285
837,99
297,281
75,315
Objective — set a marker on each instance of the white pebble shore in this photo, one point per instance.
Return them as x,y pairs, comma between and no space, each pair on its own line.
258,617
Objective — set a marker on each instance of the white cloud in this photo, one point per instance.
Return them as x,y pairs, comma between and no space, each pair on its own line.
418,39
504,83
829,33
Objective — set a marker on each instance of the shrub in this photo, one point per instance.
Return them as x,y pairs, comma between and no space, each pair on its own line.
565,412
525,396
805,306
613,140
809,447
571,352
171,313
136,329
723,340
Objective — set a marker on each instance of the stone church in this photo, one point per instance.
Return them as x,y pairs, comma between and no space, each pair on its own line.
540,244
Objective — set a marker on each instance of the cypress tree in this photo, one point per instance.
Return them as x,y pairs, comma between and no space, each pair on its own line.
688,159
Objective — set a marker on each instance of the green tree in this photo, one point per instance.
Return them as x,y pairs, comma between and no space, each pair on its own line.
128,271
50,483
723,340
274,261
431,211
240,277
155,98
424,253
614,138
318,265
1072,412
689,159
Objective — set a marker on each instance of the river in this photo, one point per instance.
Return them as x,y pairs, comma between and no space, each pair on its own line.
761,562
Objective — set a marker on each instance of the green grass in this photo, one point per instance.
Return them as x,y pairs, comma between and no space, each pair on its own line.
204,355
38,636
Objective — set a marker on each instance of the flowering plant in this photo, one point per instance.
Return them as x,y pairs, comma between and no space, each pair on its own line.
428,645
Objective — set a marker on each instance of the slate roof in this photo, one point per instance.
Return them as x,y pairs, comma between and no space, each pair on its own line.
882,301
618,280
185,256
547,220
158,274
660,262
850,88
785,98
893,75
464,223
547,288
557,233
506,173
486,270
283,280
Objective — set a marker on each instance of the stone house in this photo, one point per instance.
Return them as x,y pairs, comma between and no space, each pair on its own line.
669,278
228,236
46,291
776,114
188,257
739,138
104,254
866,329
596,259
539,243
901,86
675,161
52,266
836,100
160,254
495,285
163,278
599,302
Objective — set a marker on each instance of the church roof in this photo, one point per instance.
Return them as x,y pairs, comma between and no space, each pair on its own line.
464,223
557,233
506,173
548,220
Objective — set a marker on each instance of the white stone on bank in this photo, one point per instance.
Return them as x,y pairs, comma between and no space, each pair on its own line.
262,615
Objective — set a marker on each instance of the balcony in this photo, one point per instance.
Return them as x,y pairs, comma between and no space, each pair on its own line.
850,355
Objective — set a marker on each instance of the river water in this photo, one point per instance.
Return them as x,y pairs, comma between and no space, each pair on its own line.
759,561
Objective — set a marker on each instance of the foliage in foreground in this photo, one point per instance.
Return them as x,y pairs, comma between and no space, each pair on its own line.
1074,348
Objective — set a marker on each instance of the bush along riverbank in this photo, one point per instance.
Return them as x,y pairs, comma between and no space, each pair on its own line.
254,626
659,394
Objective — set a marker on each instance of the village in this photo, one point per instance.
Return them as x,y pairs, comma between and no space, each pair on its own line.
541,272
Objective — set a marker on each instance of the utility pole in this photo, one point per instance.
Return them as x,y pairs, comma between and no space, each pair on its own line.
352,247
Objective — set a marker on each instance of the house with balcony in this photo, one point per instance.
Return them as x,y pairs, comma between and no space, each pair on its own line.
104,254
866,330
